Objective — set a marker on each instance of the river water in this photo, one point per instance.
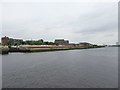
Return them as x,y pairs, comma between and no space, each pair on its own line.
86,68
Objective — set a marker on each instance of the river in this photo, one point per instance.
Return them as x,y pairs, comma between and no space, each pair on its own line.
86,68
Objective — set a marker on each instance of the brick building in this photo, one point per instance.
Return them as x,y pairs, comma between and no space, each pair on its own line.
85,44
5,40
10,41
61,42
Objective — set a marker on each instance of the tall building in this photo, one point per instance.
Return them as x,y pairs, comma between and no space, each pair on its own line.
5,40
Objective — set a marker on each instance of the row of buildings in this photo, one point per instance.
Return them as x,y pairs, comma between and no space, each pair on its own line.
10,41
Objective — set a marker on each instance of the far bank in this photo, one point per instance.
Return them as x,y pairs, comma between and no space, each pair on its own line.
39,48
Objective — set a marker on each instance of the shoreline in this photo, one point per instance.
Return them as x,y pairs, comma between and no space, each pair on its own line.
32,50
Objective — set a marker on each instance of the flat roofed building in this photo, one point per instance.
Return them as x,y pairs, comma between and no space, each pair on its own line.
61,42
85,44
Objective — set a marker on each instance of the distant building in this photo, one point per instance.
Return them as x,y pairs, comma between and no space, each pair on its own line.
84,44
5,40
61,42
10,41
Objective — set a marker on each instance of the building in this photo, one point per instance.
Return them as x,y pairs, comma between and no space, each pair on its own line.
61,42
85,44
10,41
5,40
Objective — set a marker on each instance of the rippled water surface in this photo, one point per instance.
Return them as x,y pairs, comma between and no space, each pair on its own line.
86,68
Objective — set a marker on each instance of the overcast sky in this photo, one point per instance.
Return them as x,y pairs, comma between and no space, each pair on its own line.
93,22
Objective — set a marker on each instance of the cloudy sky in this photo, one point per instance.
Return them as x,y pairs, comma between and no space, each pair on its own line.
95,22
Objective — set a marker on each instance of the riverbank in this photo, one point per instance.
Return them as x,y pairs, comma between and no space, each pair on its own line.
4,50
7,50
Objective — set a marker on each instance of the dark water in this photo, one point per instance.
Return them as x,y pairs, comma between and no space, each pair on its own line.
87,68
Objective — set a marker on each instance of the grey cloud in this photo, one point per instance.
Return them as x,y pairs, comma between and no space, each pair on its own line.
110,27
74,21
